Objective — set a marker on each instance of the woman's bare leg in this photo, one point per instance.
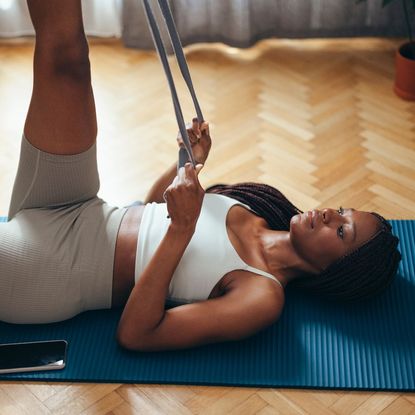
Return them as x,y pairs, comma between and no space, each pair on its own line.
61,118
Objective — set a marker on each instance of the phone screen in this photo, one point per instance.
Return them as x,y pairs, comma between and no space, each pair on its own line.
23,357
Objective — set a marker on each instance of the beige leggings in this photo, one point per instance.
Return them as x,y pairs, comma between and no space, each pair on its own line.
57,248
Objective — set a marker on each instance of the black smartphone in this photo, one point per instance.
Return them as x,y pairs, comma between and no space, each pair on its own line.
33,356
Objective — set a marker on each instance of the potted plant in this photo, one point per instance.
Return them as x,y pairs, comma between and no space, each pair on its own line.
405,57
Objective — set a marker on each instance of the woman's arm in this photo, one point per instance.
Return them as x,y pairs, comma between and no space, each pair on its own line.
156,192
145,306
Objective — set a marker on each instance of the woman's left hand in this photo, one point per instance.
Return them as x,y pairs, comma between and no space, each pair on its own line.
200,140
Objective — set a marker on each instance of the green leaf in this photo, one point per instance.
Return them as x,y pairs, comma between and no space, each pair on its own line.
386,2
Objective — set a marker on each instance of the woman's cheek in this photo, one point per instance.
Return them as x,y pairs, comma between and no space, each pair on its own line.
295,229
301,240
330,247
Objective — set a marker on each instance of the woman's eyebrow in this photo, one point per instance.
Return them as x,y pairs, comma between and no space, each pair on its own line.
353,226
354,232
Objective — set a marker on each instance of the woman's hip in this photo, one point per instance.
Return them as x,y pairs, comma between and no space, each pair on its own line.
58,262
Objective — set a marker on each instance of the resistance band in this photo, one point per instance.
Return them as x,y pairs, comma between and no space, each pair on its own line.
186,153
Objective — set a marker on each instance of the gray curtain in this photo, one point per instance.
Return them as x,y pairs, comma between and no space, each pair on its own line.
241,23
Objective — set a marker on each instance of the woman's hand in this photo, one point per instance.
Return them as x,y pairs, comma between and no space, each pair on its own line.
199,139
184,197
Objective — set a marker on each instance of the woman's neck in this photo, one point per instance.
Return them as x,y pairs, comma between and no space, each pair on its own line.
280,255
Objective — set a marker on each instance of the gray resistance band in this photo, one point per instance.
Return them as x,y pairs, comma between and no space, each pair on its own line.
185,154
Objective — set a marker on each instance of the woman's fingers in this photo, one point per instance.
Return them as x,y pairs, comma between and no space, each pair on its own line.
194,132
205,127
200,128
184,197
188,174
192,137
198,168
196,127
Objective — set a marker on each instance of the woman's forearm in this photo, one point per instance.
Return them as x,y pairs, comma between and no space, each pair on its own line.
156,192
145,307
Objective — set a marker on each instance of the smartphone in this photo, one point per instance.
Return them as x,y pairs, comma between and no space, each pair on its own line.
33,356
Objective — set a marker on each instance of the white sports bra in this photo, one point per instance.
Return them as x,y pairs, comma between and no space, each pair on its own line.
207,258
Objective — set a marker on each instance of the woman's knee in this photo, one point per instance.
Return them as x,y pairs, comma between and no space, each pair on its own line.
67,56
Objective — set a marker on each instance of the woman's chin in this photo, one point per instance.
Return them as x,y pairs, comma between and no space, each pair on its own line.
296,219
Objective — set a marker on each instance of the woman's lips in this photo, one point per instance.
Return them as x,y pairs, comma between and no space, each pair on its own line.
313,215
308,217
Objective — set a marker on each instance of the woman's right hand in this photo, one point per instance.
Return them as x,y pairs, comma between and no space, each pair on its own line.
200,140
184,197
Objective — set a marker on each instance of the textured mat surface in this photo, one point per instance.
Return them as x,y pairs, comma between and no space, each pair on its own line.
313,345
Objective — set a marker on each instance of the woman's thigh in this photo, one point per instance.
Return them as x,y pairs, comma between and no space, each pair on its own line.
46,180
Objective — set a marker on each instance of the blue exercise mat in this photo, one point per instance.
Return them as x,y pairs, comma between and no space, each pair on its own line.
315,344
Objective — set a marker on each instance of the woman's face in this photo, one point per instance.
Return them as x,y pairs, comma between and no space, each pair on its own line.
323,236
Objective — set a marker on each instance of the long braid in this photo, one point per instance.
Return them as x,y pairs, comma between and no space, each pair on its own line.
359,275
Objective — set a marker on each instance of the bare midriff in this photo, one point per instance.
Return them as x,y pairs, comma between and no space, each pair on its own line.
125,253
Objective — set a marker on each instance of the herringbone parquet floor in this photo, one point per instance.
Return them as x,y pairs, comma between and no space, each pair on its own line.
315,118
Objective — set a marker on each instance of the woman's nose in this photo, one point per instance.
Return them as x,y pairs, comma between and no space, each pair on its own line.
328,214
324,215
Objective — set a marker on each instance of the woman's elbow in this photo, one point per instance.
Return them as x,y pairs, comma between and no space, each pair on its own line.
132,341
127,341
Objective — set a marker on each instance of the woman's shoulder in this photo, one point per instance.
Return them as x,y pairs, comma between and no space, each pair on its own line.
219,199
247,282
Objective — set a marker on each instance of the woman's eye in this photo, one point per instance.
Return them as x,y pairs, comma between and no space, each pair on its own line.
340,230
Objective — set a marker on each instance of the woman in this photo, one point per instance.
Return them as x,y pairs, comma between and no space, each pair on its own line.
64,250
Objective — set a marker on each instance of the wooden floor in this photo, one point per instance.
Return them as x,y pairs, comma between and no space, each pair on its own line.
315,118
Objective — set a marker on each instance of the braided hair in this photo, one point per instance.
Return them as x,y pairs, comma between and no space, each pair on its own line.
364,273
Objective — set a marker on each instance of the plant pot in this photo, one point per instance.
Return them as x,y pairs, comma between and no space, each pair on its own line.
405,71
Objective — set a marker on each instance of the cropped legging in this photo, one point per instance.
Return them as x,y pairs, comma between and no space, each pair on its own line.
57,247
